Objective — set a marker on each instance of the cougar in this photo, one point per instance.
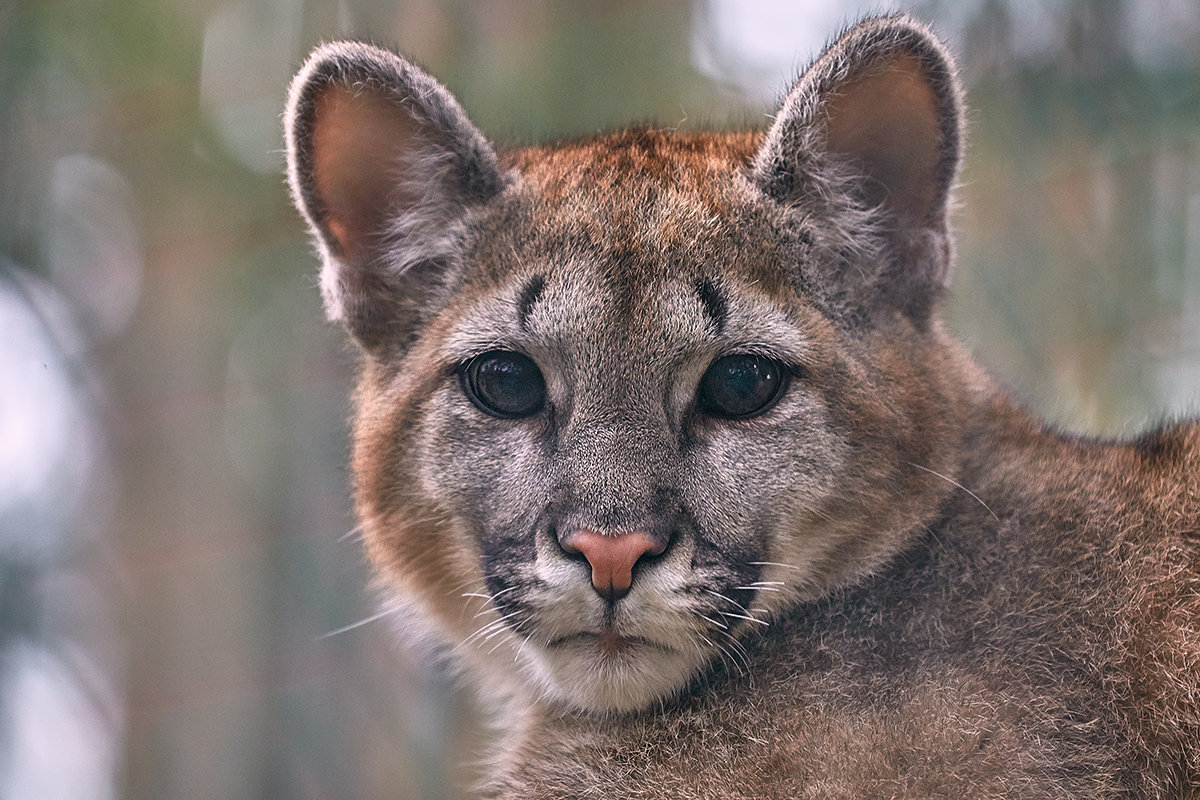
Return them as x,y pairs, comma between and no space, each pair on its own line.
660,437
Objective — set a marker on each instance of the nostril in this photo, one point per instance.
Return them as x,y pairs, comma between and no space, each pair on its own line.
612,557
566,544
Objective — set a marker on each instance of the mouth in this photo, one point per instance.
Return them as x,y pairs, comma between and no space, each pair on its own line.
608,642
604,670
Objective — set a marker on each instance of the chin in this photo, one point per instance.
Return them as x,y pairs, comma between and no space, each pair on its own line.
607,674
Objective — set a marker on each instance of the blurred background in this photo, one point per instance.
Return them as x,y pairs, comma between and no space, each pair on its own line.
179,578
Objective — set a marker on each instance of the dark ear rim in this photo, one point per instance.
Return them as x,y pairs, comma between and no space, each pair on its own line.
862,47
363,67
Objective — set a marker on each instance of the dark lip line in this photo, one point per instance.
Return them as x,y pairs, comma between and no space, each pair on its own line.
561,641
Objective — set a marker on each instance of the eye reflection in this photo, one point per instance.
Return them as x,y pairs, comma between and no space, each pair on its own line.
504,384
742,386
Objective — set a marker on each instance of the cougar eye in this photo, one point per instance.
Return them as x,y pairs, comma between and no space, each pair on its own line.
504,384
741,386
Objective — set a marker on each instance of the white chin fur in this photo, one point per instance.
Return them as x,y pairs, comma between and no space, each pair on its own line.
578,673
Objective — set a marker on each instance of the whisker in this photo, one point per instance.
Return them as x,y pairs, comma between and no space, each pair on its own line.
959,485
496,646
357,530
491,603
740,649
729,658
486,629
713,621
728,600
507,635
483,631
463,584
774,564
763,586
385,612
737,654
488,609
491,597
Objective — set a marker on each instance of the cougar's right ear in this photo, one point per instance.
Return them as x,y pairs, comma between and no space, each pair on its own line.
384,165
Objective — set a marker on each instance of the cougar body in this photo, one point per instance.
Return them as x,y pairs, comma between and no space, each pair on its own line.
661,437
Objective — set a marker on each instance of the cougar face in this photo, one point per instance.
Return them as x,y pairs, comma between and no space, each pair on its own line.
624,400
622,430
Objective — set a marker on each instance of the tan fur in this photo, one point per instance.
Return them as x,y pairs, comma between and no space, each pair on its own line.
940,597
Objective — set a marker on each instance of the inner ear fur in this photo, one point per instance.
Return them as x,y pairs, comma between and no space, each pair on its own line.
876,121
359,145
383,164
886,124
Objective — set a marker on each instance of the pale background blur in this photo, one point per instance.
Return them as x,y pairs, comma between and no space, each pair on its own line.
174,546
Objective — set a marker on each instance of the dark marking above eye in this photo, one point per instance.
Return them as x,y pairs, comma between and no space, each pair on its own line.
714,302
530,294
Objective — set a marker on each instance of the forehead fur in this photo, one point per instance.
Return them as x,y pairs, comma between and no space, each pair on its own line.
643,157
637,206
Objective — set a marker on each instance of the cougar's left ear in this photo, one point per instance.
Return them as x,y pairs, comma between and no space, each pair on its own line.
385,166
882,107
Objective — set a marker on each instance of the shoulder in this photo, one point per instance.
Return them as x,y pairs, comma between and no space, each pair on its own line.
1174,447
1163,478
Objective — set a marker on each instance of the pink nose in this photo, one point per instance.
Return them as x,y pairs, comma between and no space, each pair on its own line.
612,557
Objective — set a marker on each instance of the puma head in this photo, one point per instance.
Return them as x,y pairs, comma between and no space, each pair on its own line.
626,399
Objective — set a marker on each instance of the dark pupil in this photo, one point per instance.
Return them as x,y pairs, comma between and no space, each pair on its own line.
504,384
741,386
